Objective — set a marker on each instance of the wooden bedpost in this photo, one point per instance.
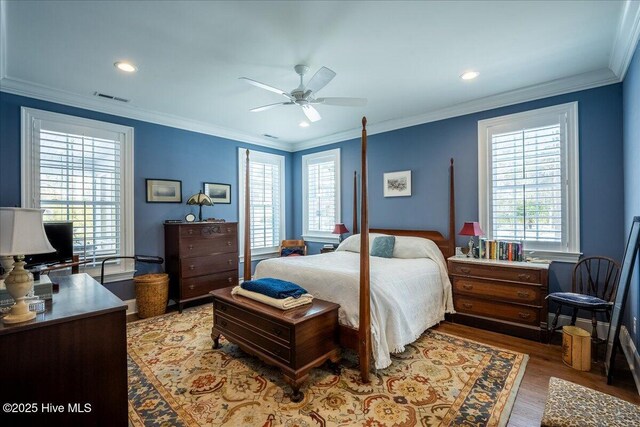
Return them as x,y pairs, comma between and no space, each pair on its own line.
247,223
452,212
364,330
354,228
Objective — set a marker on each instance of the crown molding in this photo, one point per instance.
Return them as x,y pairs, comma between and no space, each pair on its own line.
576,83
627,36
32,90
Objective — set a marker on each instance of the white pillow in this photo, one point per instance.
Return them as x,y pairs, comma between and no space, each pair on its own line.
352,243
412,247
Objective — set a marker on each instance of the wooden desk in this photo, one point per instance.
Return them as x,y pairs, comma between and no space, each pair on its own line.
75,353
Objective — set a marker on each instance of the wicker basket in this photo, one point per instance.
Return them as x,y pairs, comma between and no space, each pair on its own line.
152,294
576,348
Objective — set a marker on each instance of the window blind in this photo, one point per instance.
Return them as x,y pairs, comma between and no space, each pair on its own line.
80,181
321,195
526,184
265,203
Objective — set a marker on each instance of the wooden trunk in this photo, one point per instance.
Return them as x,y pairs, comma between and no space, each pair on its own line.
576,348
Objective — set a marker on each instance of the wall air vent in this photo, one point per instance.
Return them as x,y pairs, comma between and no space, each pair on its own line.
266,135
111,97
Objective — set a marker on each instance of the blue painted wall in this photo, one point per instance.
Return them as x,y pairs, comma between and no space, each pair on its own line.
160,152
426,149
631,136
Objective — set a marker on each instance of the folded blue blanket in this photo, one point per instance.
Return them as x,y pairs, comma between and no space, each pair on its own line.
274,288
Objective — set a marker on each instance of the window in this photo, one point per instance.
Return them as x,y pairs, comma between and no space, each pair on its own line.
321,195
81,170
266,179
529,182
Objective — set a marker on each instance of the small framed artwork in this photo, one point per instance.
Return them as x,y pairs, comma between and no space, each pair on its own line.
219,193
164,191
397,184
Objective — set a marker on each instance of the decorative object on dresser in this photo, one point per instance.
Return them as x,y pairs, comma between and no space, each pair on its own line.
200,200
471,229
200,257
340,229
295,340
22,234
502,296
163,191
219,193
397,184
189,217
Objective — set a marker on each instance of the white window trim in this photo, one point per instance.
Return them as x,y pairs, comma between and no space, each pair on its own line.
264,253
315,236
125,269
571,252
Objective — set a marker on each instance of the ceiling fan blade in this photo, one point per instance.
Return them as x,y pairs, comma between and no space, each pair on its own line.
311,113
268,107
265,86
343,102
320,79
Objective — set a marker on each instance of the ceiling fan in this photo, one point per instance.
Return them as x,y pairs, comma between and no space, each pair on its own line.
304,95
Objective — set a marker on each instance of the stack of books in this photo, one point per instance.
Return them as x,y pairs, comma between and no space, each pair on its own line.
501,250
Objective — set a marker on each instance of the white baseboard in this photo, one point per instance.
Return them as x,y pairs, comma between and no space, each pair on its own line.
132,306
628,347
631,353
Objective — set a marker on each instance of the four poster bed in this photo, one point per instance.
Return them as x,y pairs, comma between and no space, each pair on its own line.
409,292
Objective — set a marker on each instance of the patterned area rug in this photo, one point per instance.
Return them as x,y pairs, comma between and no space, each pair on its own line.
177,379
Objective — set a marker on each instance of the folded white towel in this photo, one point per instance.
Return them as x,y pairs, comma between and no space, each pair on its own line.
282,304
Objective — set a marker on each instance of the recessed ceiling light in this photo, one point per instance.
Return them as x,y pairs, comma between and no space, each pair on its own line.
125,66
469,75
304,124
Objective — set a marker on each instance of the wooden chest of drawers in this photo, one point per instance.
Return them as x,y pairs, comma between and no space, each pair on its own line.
295,340
502,296
200,257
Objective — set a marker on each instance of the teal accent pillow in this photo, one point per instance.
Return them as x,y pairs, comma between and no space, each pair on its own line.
383,246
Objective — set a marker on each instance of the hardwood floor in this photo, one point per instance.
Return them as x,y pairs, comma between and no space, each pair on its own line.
545,361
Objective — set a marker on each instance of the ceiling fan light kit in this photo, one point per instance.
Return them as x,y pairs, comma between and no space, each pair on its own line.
304,95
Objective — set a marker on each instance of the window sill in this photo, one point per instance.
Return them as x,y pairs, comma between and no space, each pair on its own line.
259,257
321,239
111,274
538,255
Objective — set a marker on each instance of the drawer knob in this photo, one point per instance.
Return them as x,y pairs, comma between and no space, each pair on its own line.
523,276
524,315
467,305
467,286
223,323
277,331
192,267
523,294
230,262
190,231
228,243
190,247
223,308
464,270
228,230
192,287
229,279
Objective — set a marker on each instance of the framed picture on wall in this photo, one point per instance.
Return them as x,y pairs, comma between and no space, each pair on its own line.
163,191
397,184
219,193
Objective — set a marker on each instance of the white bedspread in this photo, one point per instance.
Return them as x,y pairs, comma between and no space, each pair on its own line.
407,295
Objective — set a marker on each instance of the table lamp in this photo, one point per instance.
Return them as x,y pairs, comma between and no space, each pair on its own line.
201,200
21,233
339,229
471,229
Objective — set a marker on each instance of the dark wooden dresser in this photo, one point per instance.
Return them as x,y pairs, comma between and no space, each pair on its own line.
199,258
68,366
501,296
295,340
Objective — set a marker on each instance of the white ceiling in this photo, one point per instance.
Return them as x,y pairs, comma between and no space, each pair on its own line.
405,57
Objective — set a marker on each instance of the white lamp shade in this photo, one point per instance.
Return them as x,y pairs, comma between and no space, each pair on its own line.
22,232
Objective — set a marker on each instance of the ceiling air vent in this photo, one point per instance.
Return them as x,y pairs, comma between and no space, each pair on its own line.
111,97
266,135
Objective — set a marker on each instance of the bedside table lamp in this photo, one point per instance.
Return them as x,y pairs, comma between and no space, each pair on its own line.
21,233
471,229
339,229
200,199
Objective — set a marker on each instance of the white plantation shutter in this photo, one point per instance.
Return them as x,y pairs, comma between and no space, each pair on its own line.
321,193
266,174
76,171
530,178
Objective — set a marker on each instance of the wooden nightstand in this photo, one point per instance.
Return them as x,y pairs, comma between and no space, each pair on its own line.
501,296
295,340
